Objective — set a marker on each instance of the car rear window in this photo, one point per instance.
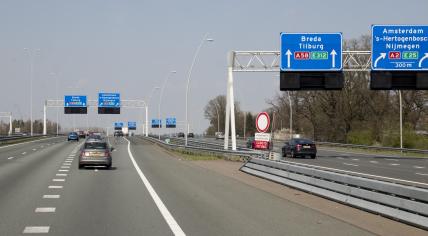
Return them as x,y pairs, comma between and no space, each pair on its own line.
304,141
95,145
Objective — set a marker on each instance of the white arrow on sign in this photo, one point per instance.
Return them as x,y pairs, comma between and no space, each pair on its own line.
333,61
288,53
382,56
422,59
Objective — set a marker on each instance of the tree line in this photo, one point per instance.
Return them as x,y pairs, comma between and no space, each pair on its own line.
354,114
25,127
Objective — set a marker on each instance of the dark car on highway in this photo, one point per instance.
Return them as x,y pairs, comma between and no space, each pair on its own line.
95,153
73,136
299,147
180,135
118,133
191,135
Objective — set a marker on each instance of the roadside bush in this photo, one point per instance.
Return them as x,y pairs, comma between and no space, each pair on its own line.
363,137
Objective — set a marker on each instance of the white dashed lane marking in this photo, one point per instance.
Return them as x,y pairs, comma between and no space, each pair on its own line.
34,149
424,174
67,164
10,158
60,174
419,167
58,180
350,164
51,196
63,170
44,209
374,162
55,186
65,167
36,230
355,159
394,164
391,159
24,153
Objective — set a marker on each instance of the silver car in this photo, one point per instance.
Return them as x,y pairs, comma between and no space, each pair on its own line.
95,153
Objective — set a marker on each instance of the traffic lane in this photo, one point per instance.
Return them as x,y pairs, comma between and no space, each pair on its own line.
387,168
14,151
99,201
207,203
23,182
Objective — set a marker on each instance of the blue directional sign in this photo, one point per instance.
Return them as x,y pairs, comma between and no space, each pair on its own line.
109,100
74,101
171,122
311,52
132,125
156,123
400,47
118,125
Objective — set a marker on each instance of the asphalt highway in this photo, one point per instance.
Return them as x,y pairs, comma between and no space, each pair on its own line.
147,192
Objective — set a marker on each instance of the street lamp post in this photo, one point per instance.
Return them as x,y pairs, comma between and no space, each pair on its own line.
147,109
161,94
31,57
291,115
205,38
218,118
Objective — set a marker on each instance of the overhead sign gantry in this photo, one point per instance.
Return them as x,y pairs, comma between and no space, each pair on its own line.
75,104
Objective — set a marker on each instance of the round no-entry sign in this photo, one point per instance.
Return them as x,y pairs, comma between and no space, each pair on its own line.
262,122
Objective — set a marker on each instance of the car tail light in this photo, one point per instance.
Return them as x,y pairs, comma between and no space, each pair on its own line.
299,146
107,153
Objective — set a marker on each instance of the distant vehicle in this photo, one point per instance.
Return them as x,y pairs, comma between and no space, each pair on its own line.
299,147
73,136
219,135
125,131
191,135
95,136
250,142
95,153
118,133
81,134
180,135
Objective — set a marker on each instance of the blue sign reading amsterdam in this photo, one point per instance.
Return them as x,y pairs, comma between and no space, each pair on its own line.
399,47
108,100
74,101
156,123
132,125
311,52
171,122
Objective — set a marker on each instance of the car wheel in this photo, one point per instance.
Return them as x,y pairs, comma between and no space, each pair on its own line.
108,166
80,166
313,156
292,155
283,153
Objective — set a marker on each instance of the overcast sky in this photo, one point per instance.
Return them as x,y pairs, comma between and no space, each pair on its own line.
130,46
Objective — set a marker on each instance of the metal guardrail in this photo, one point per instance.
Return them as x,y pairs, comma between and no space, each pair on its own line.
405,203
206,147
368,147
406,150
6,139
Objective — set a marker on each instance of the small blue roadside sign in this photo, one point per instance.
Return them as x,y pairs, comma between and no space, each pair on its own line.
132,125
74,101
311,52
400,47
109,100
171,122
118,124
156,123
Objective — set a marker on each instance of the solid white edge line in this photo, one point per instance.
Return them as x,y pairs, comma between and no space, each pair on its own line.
173,225
359,173
51,196
36,229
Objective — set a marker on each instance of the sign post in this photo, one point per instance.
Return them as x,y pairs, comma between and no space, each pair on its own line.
262,139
